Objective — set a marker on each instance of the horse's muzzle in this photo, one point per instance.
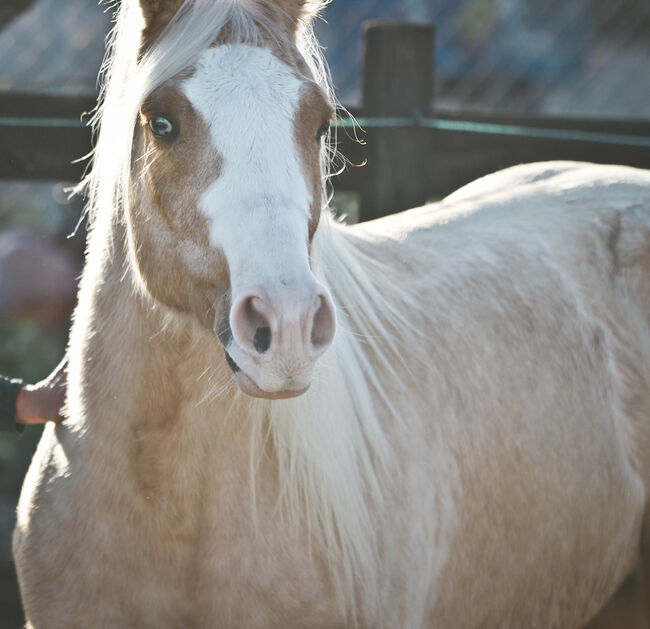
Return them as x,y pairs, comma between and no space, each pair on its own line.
273,344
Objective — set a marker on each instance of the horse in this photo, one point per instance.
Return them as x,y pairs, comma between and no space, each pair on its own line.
436,419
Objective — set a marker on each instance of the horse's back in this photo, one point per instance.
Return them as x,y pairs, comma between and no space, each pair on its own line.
588,223
534,235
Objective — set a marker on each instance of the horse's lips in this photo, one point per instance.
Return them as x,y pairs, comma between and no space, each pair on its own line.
247,385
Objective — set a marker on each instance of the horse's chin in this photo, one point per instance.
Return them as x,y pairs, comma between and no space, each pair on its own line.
247,384
249,387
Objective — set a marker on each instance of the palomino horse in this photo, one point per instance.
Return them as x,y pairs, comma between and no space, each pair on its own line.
472,448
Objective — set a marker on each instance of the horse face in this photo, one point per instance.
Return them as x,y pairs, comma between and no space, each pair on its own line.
233,180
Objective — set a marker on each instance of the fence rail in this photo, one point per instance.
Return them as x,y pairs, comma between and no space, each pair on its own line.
405,164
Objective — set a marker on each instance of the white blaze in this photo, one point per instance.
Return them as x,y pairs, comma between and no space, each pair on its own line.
258,208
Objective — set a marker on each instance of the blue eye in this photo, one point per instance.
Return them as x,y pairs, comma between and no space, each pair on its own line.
162,128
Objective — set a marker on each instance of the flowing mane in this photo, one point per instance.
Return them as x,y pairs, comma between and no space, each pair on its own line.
333,453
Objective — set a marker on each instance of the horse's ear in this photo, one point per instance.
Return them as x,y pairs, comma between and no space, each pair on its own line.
297,12
309,8
157,14
159,10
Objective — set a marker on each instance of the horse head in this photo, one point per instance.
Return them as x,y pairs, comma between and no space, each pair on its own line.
227,185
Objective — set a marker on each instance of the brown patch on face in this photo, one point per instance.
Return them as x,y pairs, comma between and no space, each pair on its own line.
313,112
170,233
189,158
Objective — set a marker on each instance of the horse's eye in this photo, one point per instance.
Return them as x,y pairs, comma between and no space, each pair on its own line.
322,130
161,128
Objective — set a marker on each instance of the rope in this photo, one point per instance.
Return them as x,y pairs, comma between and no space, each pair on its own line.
414,122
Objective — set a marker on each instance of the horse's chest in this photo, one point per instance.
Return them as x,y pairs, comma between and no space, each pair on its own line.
165,551
236,573
222,557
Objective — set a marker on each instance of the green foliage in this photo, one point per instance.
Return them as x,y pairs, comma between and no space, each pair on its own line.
28,350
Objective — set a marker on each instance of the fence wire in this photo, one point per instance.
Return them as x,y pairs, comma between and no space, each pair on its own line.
582,57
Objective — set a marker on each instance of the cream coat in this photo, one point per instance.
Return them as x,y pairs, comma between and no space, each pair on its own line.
501,460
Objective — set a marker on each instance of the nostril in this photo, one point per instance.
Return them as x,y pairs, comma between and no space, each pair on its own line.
262,339
291,327
322,331
251,322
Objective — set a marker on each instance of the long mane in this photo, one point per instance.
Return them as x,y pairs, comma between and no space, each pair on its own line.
331,445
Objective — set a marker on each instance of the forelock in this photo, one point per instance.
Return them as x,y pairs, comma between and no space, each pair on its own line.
131,75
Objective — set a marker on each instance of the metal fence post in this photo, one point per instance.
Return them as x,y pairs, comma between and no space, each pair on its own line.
397,82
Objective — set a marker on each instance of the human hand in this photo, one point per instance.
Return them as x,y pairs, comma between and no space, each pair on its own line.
43,401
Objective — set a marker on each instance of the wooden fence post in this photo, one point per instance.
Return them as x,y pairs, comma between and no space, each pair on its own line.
397,82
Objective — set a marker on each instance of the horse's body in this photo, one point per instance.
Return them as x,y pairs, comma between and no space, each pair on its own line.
523,448
474,450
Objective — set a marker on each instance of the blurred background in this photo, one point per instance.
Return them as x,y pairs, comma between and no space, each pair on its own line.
573,58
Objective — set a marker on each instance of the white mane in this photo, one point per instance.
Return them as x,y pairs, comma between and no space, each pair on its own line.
331,447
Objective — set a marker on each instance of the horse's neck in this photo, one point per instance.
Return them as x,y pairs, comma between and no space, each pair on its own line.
158,420
130,361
